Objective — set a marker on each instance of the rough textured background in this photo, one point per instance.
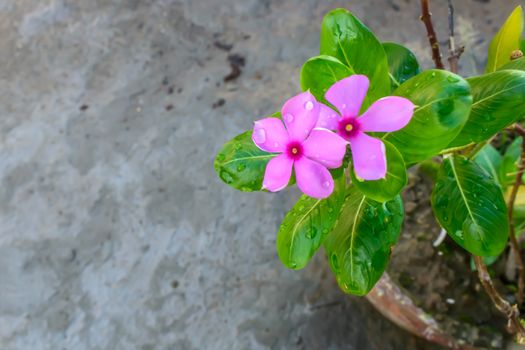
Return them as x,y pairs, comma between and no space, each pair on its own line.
114,231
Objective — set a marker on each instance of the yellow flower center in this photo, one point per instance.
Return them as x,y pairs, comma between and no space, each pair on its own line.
295,150
349,127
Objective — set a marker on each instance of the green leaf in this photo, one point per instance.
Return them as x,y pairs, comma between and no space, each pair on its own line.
443,103
389,187
241,164
490,160
470,206
344,37
506,40
360,244
499,98
402,63
307,224
522,45
509,163
518,64
321,72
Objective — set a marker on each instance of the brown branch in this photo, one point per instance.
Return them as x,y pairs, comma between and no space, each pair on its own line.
515,249
511,312
453,53
426,18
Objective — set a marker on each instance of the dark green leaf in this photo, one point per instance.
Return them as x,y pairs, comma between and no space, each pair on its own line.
321,72
344,37
359,246
490,160
307,224
241,164
402,63
443,103
509,163
389,187
470,206
499,98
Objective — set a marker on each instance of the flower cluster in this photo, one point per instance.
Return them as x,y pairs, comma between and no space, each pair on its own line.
308,144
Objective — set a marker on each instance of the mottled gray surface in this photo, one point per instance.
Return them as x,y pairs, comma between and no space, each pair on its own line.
114,231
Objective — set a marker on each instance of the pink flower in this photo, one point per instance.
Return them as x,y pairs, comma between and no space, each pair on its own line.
306,149
384,115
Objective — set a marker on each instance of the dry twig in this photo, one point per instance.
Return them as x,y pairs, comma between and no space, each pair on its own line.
511,312
426,17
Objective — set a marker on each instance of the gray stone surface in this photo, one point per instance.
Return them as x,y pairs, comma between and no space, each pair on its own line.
115,232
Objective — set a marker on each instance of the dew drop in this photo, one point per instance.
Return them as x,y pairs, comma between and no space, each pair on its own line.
241,167
259,135
289,118
343,106
326,184
220,157
226,177
309,105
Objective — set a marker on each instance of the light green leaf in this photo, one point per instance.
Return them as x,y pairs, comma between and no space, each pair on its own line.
307,224
321,72
402,63
518,64
241,164
506,40
443,103
344,37
499,98
389,187
470,206
509,163
359,246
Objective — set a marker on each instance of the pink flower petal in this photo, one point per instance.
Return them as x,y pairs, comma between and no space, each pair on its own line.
369,157
278,173
325,147
300,115
387,114
313,178
270,135
348,94
328,118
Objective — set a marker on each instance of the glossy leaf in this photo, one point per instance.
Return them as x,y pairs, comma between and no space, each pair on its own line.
509,163
359,246
389,187
402,63
498,100
470,206
321,72
443,103
518,64
241,164
490,160
307,224
506,40
344,37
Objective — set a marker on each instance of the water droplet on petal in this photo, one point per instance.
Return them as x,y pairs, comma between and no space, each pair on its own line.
326,184
343,106
288,118
309,105
259,135
276,144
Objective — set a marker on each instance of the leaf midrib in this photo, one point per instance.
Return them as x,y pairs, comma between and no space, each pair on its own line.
352,236
246,158
461,191
294,231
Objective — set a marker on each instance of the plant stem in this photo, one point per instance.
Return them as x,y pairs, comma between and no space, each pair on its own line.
426,18
515,252
511,312
454,54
